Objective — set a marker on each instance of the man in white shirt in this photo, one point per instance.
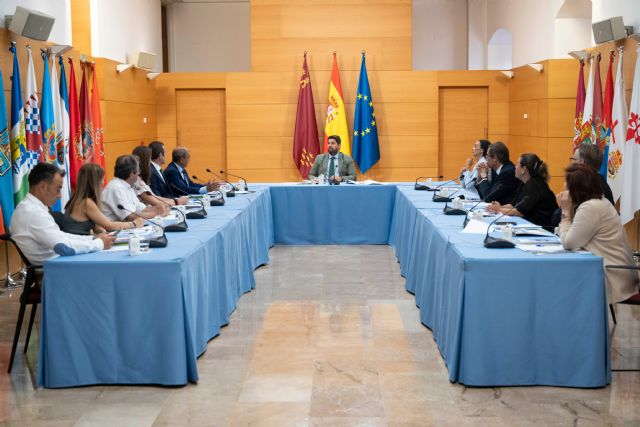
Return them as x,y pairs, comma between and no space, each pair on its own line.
33,227
119,191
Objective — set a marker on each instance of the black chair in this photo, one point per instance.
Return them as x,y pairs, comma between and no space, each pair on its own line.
632,300
31,295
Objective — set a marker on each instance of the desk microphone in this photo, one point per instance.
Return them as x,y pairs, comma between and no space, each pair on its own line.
466,217
437,198
453,211
202,213
180,226
230,193
246,188
494,242
422,187
157,242
212,201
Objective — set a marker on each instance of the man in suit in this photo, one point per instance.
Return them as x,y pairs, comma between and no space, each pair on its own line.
157,183
177,177
334,164
500,183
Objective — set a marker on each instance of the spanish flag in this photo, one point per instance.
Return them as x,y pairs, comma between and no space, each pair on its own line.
336,122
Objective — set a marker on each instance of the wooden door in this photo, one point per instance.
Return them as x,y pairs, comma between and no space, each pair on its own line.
201,126
463,119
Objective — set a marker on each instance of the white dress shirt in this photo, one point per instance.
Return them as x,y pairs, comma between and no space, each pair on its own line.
117,192
40,238
141,187
158,168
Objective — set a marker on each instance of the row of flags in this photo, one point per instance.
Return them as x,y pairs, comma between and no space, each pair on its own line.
62,129
614,128
366,151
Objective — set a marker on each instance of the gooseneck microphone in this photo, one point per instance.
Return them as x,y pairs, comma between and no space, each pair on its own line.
438,198
466,217
230,193
423,187
453,211
202,213
157,242
180,226
222,172
212,202
494,242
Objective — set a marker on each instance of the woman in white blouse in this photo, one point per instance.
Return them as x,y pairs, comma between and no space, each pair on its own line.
591,222
469,173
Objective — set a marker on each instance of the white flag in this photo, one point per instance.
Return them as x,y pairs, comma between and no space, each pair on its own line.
630,199
587,113
619,118
59,125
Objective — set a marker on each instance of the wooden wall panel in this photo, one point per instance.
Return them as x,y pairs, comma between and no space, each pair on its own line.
81,25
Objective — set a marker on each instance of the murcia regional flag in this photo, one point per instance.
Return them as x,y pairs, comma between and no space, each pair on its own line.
630,199
336,122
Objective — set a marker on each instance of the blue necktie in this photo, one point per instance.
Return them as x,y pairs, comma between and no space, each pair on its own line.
185,176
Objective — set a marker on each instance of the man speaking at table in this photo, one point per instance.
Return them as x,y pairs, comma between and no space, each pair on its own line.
335,165
177,177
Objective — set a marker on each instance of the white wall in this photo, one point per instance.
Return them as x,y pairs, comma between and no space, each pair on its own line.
571,34
628,9
440,34
500,50
209,36
59,9
477,29
119,28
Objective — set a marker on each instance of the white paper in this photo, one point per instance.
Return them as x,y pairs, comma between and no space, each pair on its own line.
476,227
541,248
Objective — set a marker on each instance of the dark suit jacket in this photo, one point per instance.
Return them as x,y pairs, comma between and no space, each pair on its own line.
159,186
508,186
346,167
175,179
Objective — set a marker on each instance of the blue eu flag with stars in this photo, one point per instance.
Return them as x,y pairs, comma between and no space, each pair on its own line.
366,151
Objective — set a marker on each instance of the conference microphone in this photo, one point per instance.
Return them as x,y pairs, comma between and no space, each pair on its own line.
157,242
212,202
422,187
437,198
494,242
230,193
453,211
246,188
180,226
491,193
202,213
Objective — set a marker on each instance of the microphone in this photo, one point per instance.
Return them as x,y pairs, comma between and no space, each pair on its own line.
437,198
230,193
494,242
466,217
453,211
158,242
422,187
212,202
202,213
246,188
180,226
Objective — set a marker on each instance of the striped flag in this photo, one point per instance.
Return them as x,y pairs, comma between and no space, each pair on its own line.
336,122
32,123
23,160
366,151
96,116
6,174
63,149
619,118
580,95
76,153
606,118
630,199
65,193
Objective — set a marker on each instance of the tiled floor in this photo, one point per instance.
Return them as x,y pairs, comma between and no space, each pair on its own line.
328,337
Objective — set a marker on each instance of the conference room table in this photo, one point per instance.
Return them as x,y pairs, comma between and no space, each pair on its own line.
499,317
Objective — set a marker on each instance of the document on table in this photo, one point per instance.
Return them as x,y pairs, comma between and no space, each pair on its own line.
476,227
541,248
365,182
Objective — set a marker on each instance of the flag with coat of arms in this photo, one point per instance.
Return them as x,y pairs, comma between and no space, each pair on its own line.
6,175
630,199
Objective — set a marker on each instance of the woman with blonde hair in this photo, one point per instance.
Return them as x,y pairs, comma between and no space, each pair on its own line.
82,213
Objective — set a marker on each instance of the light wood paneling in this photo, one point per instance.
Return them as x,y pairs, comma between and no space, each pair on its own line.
125,121
463,119
118,148
560,116
81,25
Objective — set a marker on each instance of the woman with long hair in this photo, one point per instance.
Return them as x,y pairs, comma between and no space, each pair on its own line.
141,187
469,173
82,214
589,221
534,200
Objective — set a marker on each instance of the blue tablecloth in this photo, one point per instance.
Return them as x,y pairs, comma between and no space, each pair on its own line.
109,318
332,214
502,316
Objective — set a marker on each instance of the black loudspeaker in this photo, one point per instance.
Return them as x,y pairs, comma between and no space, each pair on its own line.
32,24
608,30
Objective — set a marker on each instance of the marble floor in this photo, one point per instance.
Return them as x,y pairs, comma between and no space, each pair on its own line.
328,337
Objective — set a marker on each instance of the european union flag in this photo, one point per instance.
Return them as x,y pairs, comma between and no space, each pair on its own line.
366,151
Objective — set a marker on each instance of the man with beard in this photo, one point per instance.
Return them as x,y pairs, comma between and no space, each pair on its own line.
335,165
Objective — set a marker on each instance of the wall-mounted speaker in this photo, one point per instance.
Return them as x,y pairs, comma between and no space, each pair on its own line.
143,60
32,24
608,30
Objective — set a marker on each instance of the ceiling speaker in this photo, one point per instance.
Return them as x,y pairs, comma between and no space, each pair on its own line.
608,30
32,24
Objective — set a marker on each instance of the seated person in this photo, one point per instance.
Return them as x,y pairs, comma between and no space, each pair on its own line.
468,174
335,165
156,180
177,177
590,222
534,200
33,227
141,186
82,214
502,184
119,191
